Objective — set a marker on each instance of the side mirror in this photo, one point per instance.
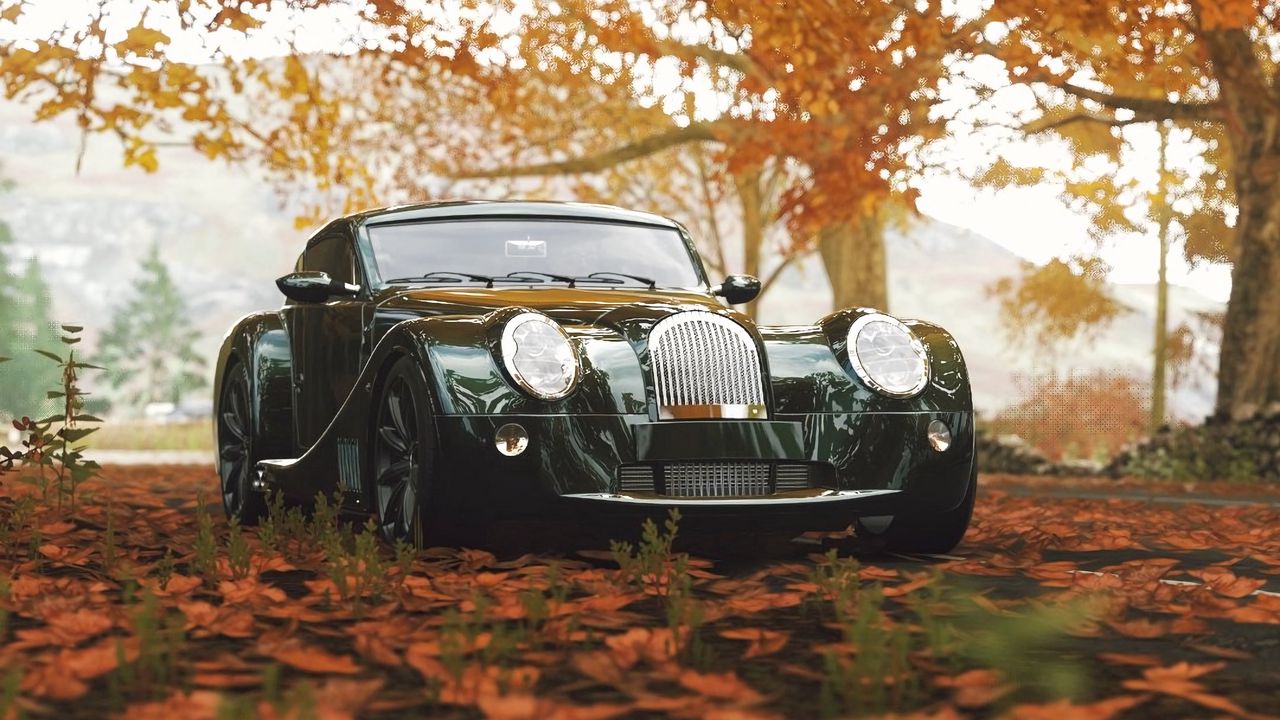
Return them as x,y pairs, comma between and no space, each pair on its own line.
738,289
312,286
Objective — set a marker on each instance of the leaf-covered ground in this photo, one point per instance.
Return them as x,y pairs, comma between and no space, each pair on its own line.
1060,603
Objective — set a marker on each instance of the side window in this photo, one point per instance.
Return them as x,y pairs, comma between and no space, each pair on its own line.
333,255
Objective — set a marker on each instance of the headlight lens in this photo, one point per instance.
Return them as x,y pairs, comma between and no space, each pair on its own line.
539,356
888,356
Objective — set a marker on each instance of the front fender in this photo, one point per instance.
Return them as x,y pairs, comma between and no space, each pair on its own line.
810,371
468,378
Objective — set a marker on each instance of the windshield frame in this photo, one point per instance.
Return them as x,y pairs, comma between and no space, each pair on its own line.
376,279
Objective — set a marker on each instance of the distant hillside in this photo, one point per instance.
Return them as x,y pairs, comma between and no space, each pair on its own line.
226,238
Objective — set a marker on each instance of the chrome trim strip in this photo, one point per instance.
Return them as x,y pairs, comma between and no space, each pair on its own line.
825,496
736,411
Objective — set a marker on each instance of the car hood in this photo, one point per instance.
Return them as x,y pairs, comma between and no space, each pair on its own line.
570,306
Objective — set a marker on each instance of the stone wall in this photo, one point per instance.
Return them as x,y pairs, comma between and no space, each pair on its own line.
1242,449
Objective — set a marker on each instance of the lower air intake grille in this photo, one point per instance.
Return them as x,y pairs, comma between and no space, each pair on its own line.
726,479
719,479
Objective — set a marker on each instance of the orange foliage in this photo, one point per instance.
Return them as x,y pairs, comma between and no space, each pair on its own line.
844,89
1085,415
1056,302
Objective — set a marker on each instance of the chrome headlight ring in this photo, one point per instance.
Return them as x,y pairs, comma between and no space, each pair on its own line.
887,356
539,356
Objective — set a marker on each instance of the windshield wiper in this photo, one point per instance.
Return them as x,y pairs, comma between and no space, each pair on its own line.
446,276
534,275
603,277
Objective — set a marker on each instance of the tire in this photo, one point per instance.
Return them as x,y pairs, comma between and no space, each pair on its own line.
404,454
922,532
236,458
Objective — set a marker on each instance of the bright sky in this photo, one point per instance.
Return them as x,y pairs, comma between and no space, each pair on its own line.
1032,222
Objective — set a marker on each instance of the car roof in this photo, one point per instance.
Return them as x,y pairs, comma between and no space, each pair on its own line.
507,208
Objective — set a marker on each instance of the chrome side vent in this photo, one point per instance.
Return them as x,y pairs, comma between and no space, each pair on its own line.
791,476
636,478
700,358
349,465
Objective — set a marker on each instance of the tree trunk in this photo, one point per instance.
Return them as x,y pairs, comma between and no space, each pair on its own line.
1249,366
751,198
854,257
1161,350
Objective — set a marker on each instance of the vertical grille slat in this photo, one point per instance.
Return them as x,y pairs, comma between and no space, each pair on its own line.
349,465
700,358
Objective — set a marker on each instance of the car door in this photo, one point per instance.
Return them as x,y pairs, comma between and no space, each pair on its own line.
327,339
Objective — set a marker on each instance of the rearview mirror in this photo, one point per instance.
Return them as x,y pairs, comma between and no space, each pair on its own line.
738,289
313,286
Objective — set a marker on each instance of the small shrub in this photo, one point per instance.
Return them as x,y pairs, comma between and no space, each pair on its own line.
204,558
1077,416
239,553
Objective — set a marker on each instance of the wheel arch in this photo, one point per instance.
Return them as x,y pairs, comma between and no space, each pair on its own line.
260,343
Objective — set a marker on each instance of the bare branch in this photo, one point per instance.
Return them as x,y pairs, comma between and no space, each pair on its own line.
695,132
1042,125
786,262
1147,109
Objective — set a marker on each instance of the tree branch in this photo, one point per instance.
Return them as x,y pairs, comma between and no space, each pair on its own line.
773,275
1039,126
695,132
1148,109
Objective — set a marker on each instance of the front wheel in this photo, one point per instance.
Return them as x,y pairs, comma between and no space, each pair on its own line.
937,532
235,449
404,456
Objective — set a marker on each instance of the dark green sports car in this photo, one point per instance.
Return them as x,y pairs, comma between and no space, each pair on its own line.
454,365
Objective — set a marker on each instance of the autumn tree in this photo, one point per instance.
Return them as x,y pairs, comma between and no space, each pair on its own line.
840,91
1090,69
1122,192
833,89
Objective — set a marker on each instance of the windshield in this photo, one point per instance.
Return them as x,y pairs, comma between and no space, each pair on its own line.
537,250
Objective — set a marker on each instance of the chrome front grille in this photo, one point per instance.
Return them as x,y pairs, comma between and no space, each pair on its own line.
700,358
751,478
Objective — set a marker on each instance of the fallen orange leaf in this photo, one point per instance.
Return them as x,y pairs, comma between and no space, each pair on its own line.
1067,710
763,642
725,685
310,658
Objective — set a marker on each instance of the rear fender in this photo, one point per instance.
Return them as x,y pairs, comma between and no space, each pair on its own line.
260,342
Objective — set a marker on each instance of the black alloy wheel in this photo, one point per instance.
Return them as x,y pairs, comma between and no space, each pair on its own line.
235,449
403,455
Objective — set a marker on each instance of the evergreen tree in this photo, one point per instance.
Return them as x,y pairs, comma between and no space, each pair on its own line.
149,349
26,325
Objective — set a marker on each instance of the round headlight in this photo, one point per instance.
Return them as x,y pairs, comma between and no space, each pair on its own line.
539,356
888,356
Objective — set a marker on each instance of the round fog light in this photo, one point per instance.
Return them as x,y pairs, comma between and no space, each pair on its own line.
939,436
511,439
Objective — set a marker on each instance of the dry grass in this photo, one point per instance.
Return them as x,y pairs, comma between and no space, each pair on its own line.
191,435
